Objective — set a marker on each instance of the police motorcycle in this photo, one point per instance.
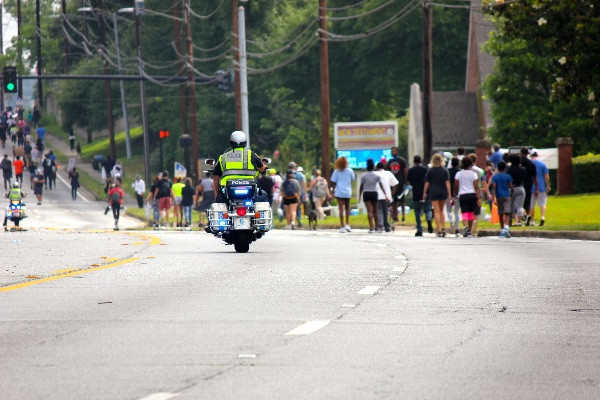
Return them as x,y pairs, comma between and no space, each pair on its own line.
16,210
242,219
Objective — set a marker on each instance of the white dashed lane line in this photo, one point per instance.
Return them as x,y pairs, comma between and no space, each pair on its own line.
369,290
308,328
160,396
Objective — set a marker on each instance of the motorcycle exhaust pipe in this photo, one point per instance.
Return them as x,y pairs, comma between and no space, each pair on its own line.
258,235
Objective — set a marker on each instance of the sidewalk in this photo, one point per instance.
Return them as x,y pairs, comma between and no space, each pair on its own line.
62,146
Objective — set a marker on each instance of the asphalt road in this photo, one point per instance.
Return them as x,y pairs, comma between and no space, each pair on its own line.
153,315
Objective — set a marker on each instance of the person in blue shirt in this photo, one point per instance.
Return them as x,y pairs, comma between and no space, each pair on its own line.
497,156
543,182
341,181
502,188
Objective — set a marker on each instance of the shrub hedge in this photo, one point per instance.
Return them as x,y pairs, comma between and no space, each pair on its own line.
586,173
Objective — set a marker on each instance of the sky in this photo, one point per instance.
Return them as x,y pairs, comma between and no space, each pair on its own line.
9,28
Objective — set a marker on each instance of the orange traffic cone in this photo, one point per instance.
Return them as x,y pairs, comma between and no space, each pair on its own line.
495,218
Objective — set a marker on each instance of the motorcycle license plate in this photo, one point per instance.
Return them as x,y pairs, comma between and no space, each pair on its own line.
241,223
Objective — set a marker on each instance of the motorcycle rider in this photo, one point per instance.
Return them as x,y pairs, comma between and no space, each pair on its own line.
237,163
15,194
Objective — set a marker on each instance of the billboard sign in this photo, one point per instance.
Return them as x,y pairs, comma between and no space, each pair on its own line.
365,135
357,159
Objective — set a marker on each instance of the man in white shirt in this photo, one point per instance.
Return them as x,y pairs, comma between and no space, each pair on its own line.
483,186
390,184
139,187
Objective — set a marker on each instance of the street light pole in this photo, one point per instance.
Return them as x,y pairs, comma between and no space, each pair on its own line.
191,89
243,75
122,87
146,133
39,54
109,114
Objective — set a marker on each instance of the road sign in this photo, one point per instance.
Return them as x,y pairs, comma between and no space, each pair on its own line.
180,171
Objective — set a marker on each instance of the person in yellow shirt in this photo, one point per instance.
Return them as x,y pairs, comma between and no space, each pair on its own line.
177,193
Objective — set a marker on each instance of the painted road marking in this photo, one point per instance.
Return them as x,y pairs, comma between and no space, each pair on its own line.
247,356
308,327
69,186
369,290
160,396
57,277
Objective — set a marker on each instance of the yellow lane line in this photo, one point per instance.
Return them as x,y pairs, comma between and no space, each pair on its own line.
73,273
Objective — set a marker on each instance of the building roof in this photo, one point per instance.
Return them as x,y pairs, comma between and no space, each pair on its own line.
455,120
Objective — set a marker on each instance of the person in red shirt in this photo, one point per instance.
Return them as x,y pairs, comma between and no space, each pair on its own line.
19,165
115,200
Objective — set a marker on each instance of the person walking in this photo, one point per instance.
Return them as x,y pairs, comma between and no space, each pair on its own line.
19,165
530,184
543,188
74,178
518,175
266,184
115,200
71,140
38,185
384,197
139,187
416,178
150,199
502,188
49,168
319,188
291,198
6,167
496,156
187,201
204,189
368,192
397,165
341,181
36,117
437,189
452,207
164,194
177,208
466,188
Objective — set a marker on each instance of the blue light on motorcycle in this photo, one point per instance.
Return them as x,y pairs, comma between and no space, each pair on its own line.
248,203
241,191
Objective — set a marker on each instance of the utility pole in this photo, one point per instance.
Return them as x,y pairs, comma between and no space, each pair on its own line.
65,41
325,101
39,55
191,89
122,88
243,75
180,65
109,115
19,52
427,80
236,65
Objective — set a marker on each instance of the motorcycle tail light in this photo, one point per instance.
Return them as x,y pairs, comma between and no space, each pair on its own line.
225,215
241,211
257,214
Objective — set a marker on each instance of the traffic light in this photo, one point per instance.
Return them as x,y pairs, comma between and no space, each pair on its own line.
223,80
9,76
163,134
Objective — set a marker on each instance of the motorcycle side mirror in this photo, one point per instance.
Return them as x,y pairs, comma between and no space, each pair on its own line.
209,161
266,160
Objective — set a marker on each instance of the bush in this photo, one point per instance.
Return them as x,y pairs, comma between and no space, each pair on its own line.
586,170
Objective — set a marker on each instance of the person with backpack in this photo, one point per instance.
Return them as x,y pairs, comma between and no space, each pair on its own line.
115,200
319,187
290,190
164,194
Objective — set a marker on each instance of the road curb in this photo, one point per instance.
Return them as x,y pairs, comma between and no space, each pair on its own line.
571,235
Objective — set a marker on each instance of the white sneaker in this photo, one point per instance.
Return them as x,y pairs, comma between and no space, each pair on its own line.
347,228
342,230
288,227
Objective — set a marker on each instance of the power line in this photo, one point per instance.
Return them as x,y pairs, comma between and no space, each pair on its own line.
194,14
368,12
360,3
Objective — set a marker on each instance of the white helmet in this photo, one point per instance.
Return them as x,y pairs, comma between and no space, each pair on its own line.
238,139
15,184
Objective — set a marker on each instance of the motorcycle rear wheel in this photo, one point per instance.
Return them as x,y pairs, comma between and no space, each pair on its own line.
241,241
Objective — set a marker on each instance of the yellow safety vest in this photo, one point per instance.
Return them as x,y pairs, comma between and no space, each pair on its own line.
14,194
237,164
